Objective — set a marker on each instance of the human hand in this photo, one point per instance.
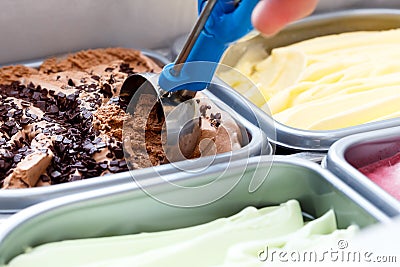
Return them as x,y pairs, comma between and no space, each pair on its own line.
270,16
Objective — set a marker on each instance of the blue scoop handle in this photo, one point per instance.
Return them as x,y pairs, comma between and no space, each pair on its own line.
227,23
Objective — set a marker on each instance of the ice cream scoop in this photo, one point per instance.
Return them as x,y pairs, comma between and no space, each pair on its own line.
220,23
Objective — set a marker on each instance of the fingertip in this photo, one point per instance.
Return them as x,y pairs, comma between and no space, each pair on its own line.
270,16
261,19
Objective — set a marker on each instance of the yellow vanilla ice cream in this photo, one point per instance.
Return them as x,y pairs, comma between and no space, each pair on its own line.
325,83
245,239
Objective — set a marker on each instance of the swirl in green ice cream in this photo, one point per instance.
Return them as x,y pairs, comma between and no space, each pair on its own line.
233,241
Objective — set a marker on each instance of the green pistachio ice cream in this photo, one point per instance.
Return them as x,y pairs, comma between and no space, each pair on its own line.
235,241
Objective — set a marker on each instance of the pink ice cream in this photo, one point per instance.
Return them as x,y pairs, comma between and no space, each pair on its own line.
386,174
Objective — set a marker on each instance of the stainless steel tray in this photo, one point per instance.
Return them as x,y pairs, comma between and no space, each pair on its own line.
350,153
12,201
126,209
331,23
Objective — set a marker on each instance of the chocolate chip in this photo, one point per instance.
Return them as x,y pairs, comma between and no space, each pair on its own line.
18,113
17,158
47,118
59,138
87,114
114,163
122,164
67,141
53,109
36,96
124,65
10,124
83,169
92,151
10,114
55,174
41,105
78,164
14,131
71,97
22,149
108,69
88,146
125,68
61,95
92,86
112,79
74,178
96,78
203,110
13,93
7,154
31,85
45,98
119,154
114,169
71,124
103,166
106,90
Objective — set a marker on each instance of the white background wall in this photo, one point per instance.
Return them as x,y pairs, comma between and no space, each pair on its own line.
31,29
37,28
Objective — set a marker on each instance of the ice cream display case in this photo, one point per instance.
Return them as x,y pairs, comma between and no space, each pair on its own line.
126,209
293,126
251,140
369,163
74,168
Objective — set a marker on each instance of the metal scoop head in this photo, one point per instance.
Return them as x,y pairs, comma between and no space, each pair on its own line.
181,132
220,23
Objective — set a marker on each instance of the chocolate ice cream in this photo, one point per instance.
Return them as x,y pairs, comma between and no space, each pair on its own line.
143,139
67,103
63,121
85,60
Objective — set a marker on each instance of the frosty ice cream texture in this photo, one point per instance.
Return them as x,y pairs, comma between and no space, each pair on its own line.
63,121
233,241
49,117
386,174
325,83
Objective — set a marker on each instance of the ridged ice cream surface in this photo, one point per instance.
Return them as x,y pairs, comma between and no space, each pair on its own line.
326,83
232,241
